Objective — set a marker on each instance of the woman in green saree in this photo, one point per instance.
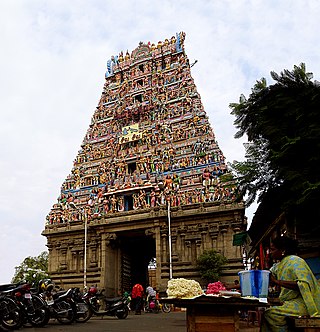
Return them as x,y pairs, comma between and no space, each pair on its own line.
300,290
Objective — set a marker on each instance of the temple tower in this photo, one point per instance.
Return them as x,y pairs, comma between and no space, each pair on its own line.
149,190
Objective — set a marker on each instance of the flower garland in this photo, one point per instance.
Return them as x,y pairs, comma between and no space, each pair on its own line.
215,287
183,288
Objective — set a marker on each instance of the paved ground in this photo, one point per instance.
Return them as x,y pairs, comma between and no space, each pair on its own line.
173,321
147,322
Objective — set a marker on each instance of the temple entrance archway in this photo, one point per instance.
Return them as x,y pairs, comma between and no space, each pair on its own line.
137,250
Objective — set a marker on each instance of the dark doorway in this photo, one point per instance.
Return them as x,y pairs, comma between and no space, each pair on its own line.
136,251
138,98
132,167
141,68
128,202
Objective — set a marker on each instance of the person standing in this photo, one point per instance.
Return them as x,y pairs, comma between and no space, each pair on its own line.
136,295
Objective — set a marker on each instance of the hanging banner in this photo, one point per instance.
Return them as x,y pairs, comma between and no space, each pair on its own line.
240,238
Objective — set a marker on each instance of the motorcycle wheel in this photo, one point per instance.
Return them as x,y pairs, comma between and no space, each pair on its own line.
69,314
11,316
166,307
41,312
84,313
123,314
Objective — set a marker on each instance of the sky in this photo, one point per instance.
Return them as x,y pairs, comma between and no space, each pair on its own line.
53,60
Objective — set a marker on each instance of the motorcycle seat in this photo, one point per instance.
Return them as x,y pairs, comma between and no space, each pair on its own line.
11,288
62,294
113,299
58,294
7,287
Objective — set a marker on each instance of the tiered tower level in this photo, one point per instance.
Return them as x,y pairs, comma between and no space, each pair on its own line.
149,154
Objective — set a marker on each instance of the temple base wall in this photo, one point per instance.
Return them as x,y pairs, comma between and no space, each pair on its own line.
119,248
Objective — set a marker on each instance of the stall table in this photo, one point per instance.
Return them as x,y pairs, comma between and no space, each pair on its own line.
214,313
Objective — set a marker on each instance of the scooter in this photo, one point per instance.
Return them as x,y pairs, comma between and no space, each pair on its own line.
152,305
116,307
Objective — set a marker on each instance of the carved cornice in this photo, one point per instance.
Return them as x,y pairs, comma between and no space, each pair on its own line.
236,227
224,227
198,209
182,230
213,231
110,237
193,233
150,232
164,230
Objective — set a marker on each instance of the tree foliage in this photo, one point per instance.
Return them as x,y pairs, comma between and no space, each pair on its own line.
210,264
32,269
282,123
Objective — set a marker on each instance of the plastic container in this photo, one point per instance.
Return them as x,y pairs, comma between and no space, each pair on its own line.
254,283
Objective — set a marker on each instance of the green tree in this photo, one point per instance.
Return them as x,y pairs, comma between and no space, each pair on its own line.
32,269
282,123
210,264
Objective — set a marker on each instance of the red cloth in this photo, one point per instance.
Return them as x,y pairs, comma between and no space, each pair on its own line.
137,291
261,257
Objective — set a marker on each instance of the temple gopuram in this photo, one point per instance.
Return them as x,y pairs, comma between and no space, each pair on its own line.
149,190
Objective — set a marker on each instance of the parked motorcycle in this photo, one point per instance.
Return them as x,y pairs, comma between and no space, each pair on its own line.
84,312
116,307
61,305
152,305
10,314
32,307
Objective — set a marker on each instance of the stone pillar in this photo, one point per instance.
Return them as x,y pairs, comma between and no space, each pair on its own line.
174,251
203,231
157,237
214,232
236,228
111,264
103,258
74,260
50,257
93,254
164,235
188,250
63,257
224,230
182,249
198,248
